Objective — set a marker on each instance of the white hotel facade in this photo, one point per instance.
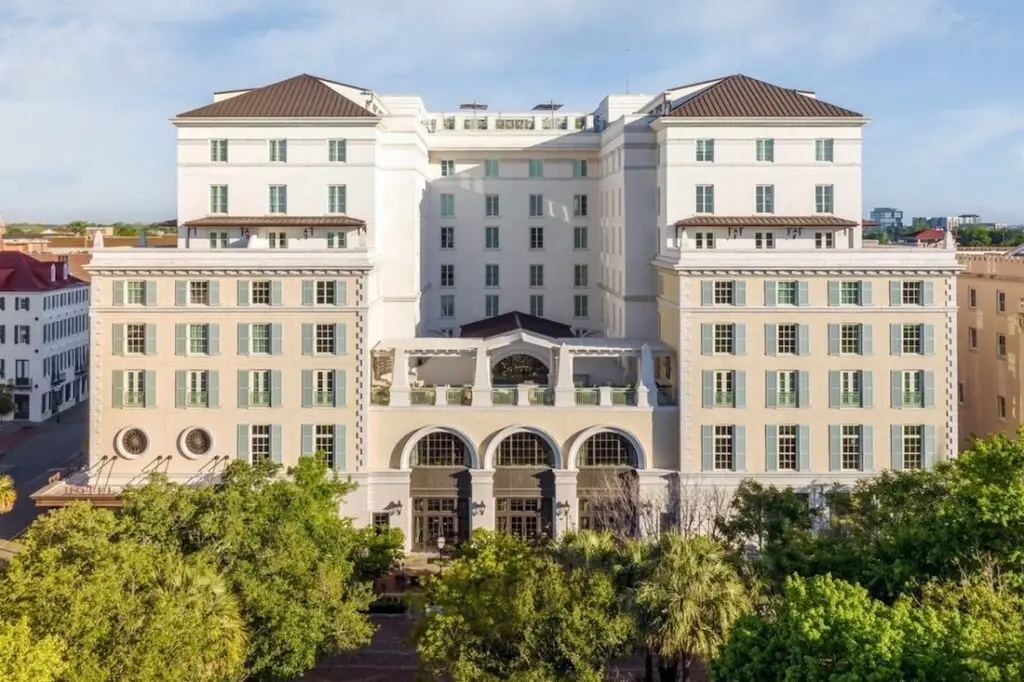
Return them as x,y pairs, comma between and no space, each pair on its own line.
491,319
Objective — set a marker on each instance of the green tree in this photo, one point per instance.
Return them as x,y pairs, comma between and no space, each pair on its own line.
25,658
687,603
6,404
973,236
79,227
505,611
8,495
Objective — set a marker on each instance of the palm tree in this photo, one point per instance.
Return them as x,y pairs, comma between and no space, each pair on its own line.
8,495
585,549
688,602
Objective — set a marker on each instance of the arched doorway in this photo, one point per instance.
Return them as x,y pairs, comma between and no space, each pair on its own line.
608,486
524,485
440,489
519,369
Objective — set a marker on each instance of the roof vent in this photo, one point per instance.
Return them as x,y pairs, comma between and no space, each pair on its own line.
549,106
474,106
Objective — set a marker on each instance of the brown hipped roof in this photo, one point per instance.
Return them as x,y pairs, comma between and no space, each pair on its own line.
276,221
745,97
302,96
515,321
765,221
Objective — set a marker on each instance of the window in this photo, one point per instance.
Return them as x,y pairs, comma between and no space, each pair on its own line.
447,168
278,199
765,150
764,199
824,240
337,151
786,444
912,339
447,276
913,447
536,238
1001,345
324,339
277,240
824,150
259,292
786,339
851,448
723,448
960,392
536,275
135,339
579,238
492,207
764,240
972,297
579,205
279,151
1001,407
134,388
536,205
580,276
218,198
336,199
823,199
326,292
537,305
912,293
259,443
850,339
705,198
913,388
492,275
447,305
491,306
323,444
724,390
705,240
491,168
786,293
323,388
22,302
447,205
219,151
724,293
492,239
1001,301
579,168
222,237
724,338
972,338
199,293
259,338
448,237
850,388
259,388
705,150
849,293
580,305
536,168
196,388
198,339
134,293
787,388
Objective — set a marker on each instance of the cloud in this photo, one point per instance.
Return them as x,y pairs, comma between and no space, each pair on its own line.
86,87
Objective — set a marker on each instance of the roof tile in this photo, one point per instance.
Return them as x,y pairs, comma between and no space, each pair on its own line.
302,96
276,221
21,273
765,221
515,321
745,97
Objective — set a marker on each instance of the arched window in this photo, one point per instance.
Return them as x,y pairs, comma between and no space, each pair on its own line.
520,369
607,449
440,449
525,449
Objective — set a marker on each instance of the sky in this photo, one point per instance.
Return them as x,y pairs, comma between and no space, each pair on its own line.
87,88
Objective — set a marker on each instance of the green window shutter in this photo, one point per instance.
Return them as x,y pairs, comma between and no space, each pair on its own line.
895,339
340,388
213,388
341,339
307,339
928,339
896,446
867,448
179,388
928,293
307,388
276,338
833,388
306,431
340,447
928,386
275,292
214,337
149,382
706,339
803,389
215,293
275,388
243,338
275,443
867,389
865,293
771,295
118,291
833,339
341,292
867,339
771,447
707,448
740,339
802,294
803,448
739,293
243,293
150,339
707,383
150,292
835,448
180,339
243,390
896,389
117,339
895,293
803,339
740,387
307,291
739,448
771,389
833,293
117,389
242,442
707,295
929,447
180,292
771,340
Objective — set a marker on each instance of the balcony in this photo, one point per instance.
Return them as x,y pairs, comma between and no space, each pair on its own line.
21,382
725,399
666,396
82,369
850,399
520,396
134,399
323,398
57,378
786,399
197,398
913,399
259,398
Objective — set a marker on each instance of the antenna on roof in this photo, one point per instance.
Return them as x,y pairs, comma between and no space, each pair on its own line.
474,106
627,70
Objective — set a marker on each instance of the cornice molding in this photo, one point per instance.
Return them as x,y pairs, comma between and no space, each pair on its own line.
185,270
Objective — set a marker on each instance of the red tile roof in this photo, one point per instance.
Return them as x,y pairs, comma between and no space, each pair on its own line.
20,272
765,221
745,97
929,235
276,221
302,96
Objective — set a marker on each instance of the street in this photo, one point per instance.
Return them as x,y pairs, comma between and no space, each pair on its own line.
31,453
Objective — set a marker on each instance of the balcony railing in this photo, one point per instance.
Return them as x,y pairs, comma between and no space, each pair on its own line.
81,369
259,398
666,395
725,399
380,396
23,382
623,396
134,399
541,396
850,399
57,378
524,396
588,396
458,395
503,396
913,399
786,399
323,398
422,396
197,398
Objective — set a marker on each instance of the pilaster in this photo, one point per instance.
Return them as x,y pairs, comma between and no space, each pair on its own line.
481,508
567,506
482,379
400,379
565,390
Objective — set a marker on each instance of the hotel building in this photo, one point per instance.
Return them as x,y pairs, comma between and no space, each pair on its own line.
492,319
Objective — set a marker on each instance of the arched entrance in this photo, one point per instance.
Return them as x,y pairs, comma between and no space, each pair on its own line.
524,485
608,486
519,369
440,489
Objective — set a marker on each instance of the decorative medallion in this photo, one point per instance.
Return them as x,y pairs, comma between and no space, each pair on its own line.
197,442
133,442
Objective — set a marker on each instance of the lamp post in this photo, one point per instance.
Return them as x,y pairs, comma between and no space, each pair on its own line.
440,551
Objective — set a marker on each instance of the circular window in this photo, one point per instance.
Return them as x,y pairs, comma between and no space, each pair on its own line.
195,442
132,443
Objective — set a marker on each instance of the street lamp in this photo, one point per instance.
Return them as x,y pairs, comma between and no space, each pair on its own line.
440,551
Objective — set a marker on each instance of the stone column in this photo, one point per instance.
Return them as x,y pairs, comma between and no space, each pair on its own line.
566,519
483,493
482,379
400,379
646,387
565,391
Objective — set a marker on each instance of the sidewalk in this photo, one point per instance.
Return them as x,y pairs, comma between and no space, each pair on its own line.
14,433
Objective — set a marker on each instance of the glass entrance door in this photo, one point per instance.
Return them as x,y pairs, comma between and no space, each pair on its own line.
526,518
434,517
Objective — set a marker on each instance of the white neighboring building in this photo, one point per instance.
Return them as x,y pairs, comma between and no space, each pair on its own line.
44,336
